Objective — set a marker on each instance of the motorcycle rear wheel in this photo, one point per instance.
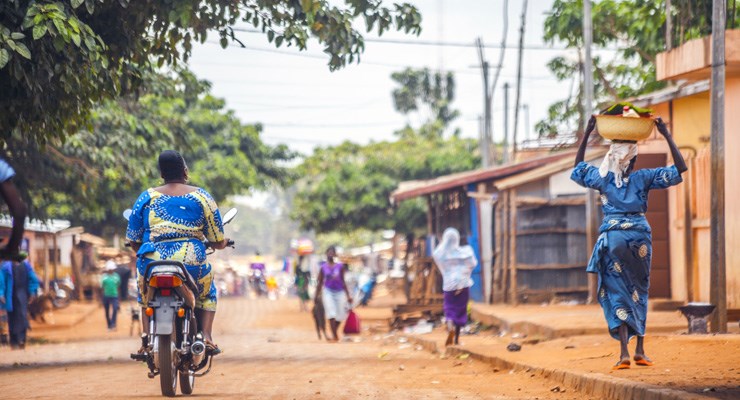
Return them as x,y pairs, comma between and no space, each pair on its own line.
167,368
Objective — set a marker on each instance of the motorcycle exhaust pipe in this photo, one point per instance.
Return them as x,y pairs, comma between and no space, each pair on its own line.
198,350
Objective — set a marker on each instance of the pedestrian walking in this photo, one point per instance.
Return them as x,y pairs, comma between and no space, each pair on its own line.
333,291
111,284
18,286
302,278
456,264
622,254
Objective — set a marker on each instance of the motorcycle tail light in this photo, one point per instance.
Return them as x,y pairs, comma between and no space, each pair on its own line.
180,312
165,292
165,281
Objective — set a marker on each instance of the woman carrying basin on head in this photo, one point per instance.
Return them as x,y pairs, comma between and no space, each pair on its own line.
172,222
622,254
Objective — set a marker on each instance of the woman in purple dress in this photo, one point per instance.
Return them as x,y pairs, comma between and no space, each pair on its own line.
332,290
456,264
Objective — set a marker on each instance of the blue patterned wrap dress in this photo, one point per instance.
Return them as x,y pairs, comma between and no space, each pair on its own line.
622,254
175,228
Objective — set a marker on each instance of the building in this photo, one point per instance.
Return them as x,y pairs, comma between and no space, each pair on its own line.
685,105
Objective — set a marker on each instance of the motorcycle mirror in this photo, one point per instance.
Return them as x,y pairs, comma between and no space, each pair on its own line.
127,214
229,215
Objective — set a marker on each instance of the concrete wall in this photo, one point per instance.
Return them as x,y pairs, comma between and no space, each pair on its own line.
732,189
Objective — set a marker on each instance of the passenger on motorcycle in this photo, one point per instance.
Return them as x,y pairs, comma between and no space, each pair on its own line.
173,222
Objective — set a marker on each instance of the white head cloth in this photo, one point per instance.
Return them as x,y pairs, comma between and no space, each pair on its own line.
454,261
449,250
617,160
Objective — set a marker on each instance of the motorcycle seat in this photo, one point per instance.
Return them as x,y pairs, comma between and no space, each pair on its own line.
172,267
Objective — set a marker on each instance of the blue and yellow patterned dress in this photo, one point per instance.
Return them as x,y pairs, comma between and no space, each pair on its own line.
622,254
174,228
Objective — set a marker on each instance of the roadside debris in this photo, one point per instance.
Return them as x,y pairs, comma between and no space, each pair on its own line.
513,347
557,389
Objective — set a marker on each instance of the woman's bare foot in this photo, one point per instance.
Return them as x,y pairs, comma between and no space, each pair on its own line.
643,360
450,338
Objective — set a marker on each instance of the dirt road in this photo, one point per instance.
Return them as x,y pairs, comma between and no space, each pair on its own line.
270,351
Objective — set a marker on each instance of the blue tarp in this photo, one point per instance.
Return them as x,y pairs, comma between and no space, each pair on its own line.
476,291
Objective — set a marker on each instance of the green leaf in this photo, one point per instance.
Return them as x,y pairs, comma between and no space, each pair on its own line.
17,35
77,3
76,39
4,57
23,50
279,40
224,43
270,36
39,31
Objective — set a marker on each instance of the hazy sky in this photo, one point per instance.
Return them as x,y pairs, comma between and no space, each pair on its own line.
301,103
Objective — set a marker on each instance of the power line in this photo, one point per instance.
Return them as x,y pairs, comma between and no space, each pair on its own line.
439,43
329,126
379,64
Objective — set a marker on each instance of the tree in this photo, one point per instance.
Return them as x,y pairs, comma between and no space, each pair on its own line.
637,29
427,93
347,187
94,175
60,58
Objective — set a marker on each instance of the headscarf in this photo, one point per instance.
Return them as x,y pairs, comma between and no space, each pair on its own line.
617,160
449,250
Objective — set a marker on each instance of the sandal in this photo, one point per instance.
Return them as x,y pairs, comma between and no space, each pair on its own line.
212,348
643,361
622,364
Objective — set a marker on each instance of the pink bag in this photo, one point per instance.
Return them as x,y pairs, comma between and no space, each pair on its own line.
352,326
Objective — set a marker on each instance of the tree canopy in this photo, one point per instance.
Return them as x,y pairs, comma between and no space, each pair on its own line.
94,175
58,59
347,187
429,94
636,29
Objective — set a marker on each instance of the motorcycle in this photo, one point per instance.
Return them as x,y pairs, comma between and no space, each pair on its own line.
258,282
63,291
174,346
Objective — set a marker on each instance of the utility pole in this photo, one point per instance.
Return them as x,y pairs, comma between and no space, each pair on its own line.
482,143
519,80
717,275
486,135
506,122
588,75
525,108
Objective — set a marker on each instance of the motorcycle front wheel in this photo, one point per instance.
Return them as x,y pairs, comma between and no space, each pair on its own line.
167,368
187,382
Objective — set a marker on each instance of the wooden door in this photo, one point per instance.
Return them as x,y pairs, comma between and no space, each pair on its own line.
657,216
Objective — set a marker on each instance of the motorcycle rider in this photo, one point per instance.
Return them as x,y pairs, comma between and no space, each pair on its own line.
172,222
259,280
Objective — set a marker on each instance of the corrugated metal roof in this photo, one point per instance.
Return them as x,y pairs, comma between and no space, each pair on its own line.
671,93
410,189
545,170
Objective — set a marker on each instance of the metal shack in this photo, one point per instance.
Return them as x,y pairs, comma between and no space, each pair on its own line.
466,201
